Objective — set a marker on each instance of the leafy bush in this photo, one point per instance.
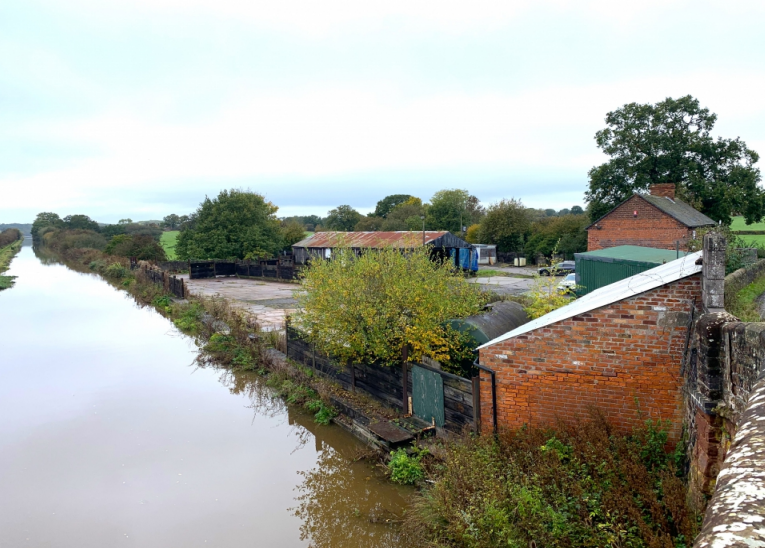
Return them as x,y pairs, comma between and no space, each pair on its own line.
64,240
407,469
10,235
116,270
143,247
366,308
578,484
188,318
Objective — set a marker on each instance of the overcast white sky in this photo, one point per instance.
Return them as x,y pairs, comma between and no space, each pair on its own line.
118,108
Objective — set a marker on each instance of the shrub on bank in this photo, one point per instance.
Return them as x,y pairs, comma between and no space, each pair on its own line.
144,248
573,485
405,468
64,240
10,235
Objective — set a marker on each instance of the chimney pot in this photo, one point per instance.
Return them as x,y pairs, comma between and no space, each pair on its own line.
666,190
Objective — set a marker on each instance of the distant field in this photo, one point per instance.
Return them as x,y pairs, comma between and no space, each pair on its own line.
739,224
757,239
168,243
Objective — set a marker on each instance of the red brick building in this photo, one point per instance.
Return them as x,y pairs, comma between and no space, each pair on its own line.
618,348
656,219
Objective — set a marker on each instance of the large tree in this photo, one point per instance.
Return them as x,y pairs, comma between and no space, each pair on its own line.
171,221
385,205
670,142
452,209
505,224
343,218
236,224
82,222
44,220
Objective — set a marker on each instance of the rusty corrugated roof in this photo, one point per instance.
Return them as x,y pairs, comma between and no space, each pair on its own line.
365,240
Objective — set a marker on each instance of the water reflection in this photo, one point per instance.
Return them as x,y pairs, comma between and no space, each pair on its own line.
343,502
340,506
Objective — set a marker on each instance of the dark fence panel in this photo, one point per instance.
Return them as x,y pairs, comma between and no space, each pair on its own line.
384,383
271,268
225,268
201,269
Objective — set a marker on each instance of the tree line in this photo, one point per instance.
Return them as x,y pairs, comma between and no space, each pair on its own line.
667,142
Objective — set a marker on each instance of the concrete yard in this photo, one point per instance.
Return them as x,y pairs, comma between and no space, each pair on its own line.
269,302
503,285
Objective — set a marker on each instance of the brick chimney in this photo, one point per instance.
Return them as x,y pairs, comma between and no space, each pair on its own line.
663,189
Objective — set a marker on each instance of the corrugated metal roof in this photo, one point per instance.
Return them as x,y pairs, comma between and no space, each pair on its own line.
633,253
366,240
640,283
679,210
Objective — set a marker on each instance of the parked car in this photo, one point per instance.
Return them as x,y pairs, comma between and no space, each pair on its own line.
563,268
567,284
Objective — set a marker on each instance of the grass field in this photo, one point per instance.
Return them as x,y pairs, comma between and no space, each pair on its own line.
757,239
168,243
739,224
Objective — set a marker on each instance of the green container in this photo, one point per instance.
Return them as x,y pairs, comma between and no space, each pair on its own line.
596,269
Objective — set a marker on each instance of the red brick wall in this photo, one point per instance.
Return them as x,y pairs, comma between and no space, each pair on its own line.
614,358
651,228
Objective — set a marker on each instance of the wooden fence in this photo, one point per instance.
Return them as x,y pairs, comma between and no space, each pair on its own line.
385,384
172,284
272,268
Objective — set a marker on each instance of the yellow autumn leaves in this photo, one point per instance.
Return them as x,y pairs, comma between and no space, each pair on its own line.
366,307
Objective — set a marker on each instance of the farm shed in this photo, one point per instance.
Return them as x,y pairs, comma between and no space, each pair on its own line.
619,349
486,254
595,269
444,244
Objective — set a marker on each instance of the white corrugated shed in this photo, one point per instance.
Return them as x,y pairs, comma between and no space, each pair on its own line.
639,283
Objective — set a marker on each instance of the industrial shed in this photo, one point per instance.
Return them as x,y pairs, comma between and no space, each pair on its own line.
444,244
596,269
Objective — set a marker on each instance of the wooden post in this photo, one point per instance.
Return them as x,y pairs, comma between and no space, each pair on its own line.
405,379
353,377
477,404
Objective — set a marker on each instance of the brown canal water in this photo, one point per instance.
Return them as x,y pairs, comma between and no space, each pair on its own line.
111,437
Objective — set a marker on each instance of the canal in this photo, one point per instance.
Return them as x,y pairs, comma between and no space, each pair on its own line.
110,435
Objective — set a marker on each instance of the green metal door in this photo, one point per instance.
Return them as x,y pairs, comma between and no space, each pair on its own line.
428,395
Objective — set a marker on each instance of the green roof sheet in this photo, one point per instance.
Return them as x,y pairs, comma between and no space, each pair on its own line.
633,253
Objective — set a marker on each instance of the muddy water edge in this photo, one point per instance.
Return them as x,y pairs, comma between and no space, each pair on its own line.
112,435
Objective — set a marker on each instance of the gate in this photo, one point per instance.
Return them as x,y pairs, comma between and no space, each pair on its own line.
428,395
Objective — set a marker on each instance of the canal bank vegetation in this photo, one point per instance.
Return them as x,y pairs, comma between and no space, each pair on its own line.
572,485
10,244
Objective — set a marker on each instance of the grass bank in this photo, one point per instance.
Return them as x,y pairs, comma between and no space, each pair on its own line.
745,305
168,241
7,254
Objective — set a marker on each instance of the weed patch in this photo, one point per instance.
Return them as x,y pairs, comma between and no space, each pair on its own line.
405,468
573,485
